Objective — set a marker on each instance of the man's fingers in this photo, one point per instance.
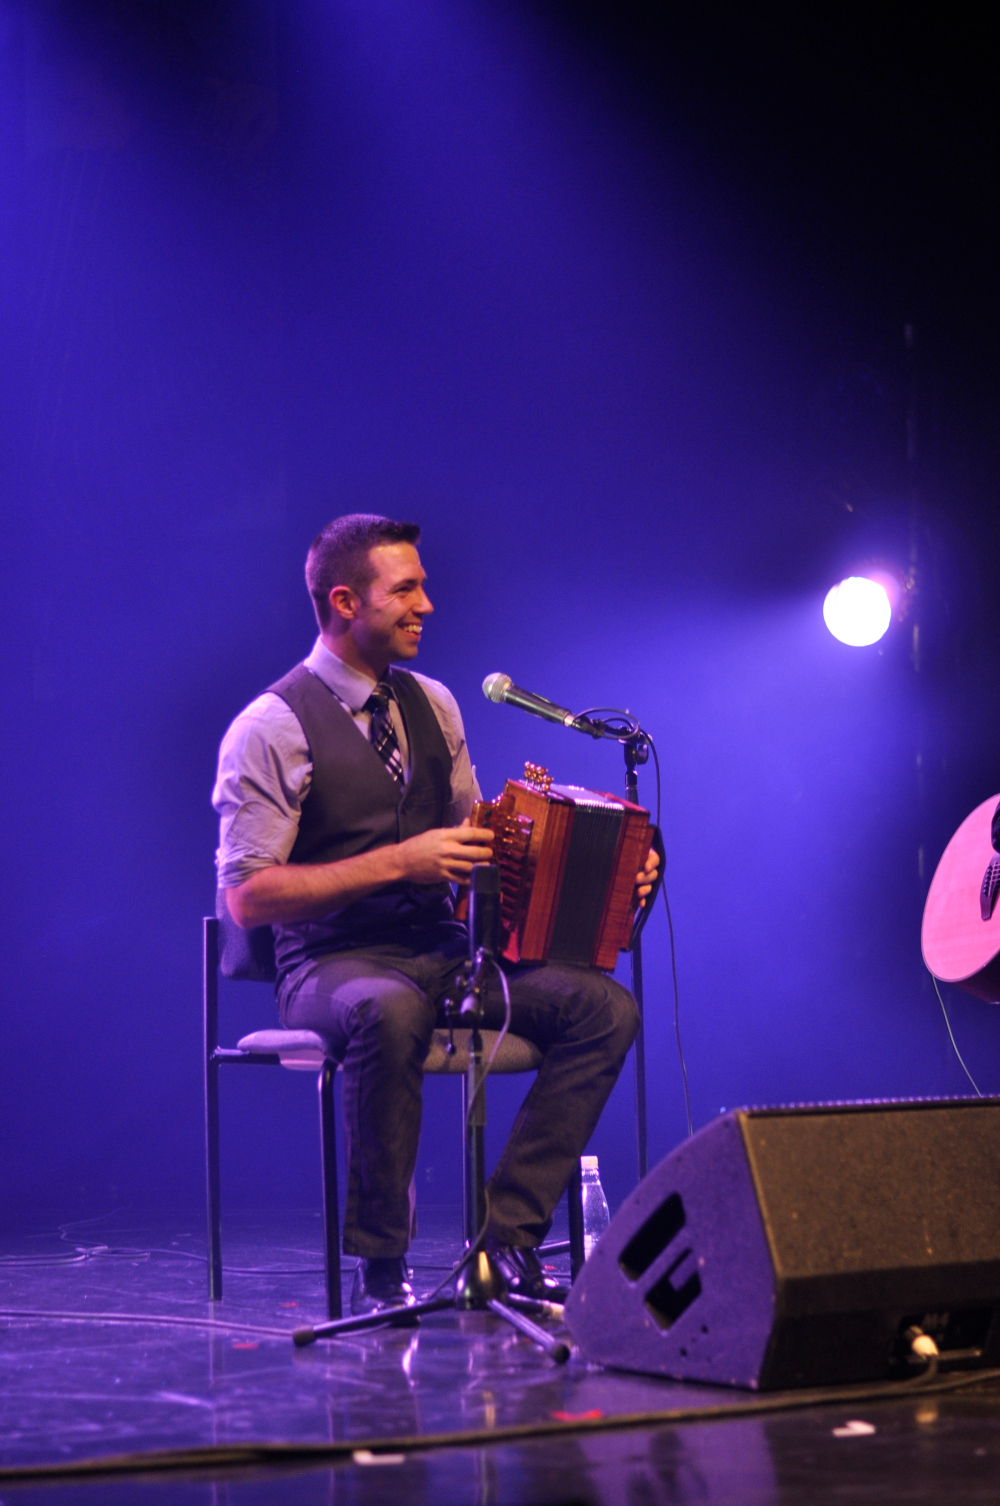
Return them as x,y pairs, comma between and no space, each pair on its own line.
466,856
482,836
459,863
646,878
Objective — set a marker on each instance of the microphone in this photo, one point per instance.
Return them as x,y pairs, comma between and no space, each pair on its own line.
501,688
484,931
484,910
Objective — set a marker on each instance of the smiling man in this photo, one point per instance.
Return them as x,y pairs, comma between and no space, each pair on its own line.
344,793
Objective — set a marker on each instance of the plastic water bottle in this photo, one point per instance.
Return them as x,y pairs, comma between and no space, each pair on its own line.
595,1205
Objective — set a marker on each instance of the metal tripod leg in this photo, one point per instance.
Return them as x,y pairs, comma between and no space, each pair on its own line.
389,1317
552,1346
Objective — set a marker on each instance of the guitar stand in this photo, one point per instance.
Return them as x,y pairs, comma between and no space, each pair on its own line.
479,1285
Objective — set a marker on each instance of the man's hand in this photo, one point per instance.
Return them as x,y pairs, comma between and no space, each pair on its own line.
446,853
647,877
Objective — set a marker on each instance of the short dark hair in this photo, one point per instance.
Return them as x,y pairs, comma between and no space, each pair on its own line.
339,555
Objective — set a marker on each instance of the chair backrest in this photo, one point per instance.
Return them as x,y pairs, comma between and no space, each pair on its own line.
248,955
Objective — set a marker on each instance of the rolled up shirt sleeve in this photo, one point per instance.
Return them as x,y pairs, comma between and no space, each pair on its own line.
264,775
464,785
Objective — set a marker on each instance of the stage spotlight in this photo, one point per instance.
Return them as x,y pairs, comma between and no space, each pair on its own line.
858,611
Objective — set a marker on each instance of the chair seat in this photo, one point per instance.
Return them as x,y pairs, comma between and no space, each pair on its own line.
515,1055
304,1050
301,1050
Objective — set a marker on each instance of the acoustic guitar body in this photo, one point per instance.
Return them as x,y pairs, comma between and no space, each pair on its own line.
959,946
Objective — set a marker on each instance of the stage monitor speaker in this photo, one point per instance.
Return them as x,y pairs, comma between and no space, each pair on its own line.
795,1247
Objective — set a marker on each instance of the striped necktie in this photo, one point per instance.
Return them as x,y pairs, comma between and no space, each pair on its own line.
383,733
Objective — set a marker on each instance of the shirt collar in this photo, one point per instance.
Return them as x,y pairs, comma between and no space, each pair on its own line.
348,685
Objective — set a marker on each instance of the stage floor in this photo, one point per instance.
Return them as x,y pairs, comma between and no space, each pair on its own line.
87,1373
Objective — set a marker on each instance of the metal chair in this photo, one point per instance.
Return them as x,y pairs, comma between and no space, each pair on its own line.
249,956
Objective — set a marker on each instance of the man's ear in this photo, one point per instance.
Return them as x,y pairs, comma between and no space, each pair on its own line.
344,603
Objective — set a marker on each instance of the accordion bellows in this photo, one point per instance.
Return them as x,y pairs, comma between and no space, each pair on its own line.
568,860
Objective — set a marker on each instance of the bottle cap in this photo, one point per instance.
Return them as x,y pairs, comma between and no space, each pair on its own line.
588,1163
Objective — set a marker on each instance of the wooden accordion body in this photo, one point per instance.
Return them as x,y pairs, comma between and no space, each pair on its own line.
568,860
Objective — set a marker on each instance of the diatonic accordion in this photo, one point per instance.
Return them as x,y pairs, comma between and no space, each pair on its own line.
568,860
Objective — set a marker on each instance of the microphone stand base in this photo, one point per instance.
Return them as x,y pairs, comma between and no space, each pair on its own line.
479,1283
479,1288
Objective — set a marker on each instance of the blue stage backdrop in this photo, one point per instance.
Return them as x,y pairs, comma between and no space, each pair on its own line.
270,263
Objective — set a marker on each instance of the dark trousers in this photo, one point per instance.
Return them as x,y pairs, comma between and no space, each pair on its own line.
379,1008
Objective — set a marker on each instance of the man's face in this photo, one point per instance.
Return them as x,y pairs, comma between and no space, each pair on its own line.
388,620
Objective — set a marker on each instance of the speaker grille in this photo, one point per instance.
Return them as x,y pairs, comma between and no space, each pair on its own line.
844,1191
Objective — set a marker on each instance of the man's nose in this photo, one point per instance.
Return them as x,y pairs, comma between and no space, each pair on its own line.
424,605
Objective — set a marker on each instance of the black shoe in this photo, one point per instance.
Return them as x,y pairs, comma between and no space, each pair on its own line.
380,1282
523,1274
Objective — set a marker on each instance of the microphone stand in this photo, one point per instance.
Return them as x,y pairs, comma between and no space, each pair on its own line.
479,1285
605,721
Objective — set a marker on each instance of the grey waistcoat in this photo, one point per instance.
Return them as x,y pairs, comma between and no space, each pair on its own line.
354,805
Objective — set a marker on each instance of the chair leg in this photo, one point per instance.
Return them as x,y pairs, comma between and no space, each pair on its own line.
574,1200
331,1211
212,1182
210,993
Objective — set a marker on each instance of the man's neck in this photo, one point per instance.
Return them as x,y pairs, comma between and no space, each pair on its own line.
346,650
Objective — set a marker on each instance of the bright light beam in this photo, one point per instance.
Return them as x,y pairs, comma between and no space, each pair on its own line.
857,611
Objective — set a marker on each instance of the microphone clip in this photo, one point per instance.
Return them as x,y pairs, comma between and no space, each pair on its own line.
461,1004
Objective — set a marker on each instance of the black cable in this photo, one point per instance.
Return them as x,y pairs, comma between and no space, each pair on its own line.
481,1085
87,1253
952,1038
628,728
131,1320
86,1223
218,1457
677,1017
673,949
42,1260
656,766
83,1254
